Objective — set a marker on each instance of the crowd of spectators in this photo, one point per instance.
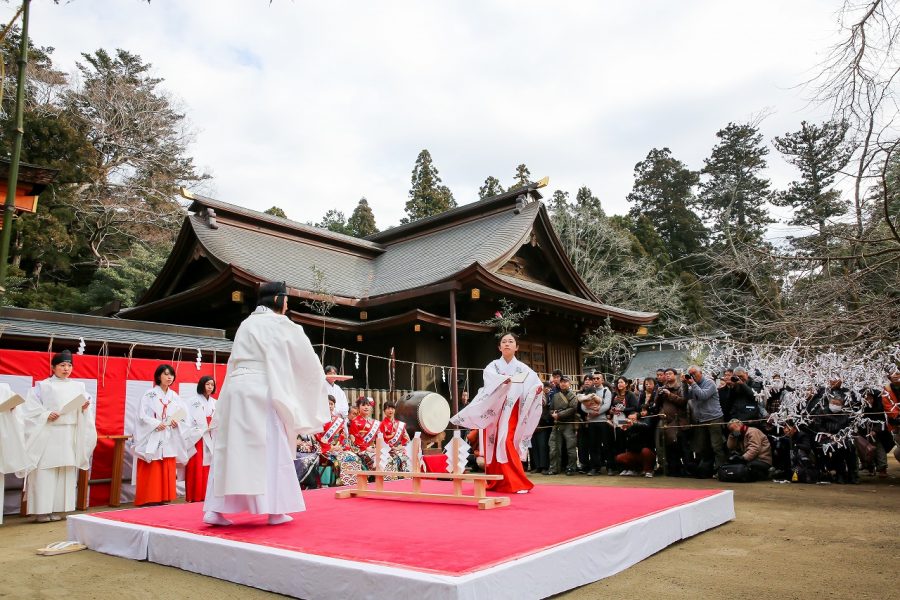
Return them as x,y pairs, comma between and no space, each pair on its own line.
694,424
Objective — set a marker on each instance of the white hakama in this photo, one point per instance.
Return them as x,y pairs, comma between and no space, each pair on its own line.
59,448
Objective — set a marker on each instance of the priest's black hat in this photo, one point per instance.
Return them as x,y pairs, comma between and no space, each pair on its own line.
61,357
269,292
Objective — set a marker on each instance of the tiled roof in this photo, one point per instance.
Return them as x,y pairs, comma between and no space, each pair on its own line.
62,326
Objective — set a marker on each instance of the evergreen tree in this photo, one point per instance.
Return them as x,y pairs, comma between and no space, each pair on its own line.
522,178
559,201
588,203
427,196
733,193
362,221
334,220
276,212
490,188
663,193
819,152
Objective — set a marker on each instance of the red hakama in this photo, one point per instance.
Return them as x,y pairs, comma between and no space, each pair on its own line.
196,475
514,478
155,481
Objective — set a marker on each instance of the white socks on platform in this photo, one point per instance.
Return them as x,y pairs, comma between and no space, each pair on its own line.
215,518
279,519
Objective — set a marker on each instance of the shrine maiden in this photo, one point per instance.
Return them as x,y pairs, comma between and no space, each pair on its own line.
200,412
59,438
13,458
274,391
395,436
160,440
363,431
508,411
333,443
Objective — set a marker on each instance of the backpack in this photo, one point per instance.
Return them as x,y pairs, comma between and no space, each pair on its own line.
736,473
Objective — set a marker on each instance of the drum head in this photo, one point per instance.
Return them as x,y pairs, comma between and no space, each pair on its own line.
434,414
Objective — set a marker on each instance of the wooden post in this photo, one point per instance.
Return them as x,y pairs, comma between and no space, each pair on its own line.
416,460
454,463
454,392
115,486
81,497
379,466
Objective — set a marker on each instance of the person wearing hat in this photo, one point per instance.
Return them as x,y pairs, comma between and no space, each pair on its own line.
274,391
60,436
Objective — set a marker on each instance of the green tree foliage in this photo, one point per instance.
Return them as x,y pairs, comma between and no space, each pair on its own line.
276,212
141,143
362,222
662,195
427,196
334,220
491,187
120,151
522,177
128,282
588,203
819,152
733,191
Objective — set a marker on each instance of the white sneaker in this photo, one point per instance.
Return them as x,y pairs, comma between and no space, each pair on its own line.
626,473
215,518
649,474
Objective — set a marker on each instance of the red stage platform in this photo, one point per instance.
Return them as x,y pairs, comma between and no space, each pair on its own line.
553,539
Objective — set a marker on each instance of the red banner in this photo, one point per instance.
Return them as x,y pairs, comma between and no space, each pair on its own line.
109,379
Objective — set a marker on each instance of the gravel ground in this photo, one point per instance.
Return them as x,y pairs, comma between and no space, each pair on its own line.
788,541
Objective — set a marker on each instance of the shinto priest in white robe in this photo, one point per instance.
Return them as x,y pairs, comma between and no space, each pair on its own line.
274,391
491,408
13,458
57,449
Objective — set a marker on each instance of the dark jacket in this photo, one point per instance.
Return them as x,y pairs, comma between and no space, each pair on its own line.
565,404
742,403
638,436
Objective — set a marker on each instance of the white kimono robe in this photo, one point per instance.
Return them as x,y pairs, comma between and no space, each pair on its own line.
341,405
274,391
13,458
58,449
156,407
199,409
492,406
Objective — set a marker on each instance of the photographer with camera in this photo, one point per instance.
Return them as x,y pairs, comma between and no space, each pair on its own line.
743,404
638,446
751,454
675,442
703,399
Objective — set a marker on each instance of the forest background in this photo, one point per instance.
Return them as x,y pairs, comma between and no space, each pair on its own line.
695,245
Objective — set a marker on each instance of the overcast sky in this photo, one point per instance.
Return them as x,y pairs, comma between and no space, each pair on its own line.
311,105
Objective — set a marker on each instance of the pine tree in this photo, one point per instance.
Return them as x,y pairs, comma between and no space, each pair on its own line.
427,196
276,212
733,193
819,152
490,188
663,193
522,178
362,221
588,203
334,220
559,201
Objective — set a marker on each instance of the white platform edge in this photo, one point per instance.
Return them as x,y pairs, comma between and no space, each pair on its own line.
312,577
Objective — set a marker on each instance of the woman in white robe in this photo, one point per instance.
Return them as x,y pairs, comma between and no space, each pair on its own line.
274,391
199,435
507,409
159,440
13,458
60,437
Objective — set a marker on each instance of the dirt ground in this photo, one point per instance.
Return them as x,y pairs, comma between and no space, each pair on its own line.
788,541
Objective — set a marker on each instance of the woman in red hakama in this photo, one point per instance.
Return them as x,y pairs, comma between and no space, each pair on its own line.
196,471
507,410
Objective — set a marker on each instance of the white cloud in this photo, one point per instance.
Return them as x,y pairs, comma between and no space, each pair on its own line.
311,105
